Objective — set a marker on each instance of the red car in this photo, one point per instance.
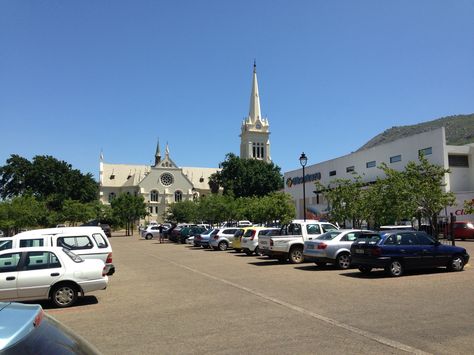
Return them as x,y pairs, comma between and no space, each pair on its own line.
463,230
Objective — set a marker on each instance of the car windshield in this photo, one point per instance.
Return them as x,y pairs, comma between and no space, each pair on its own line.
329,235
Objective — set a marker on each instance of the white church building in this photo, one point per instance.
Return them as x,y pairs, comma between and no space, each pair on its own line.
164,182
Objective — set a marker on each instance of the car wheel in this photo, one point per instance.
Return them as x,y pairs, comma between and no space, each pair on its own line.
148,236
343,261
64,295
296,255
365,269
320,264
395,268
222,246
456,263
248,252
257,251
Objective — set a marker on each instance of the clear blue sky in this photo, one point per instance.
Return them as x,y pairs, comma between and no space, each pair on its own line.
78,77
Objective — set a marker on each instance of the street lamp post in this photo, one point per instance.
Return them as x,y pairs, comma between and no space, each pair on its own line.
303,161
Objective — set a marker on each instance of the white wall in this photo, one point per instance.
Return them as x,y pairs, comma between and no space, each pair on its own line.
407,147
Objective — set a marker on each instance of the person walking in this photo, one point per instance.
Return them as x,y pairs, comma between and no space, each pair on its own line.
160,230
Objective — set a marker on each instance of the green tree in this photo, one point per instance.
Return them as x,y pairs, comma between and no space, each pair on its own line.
216,208
399,195
22,212
14,177
469,207
46,178
127,209
278,206
74,211
246,177
346,198
426,184
184,211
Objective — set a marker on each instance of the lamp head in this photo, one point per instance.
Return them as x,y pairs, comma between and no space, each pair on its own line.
303,159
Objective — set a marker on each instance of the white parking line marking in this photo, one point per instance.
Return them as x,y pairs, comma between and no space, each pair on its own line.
364,333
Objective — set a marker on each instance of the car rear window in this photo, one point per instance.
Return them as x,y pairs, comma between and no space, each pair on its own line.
230,231
368,239
329,235
249,233
100,240
328,227
75,243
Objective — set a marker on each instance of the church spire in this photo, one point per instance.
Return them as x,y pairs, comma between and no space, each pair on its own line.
157,153
254,111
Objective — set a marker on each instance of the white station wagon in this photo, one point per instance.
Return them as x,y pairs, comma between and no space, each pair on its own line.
48,273
87,242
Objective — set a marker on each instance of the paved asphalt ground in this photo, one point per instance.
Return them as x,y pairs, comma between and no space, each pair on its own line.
175,299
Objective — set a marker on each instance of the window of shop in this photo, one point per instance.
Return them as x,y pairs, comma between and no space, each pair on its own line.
425,151
370,164
395,158
461,161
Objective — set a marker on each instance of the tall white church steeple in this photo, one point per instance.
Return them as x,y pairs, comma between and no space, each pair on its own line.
254,136
254,111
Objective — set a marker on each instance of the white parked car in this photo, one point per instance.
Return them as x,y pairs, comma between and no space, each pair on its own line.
48,273
87,242
223,239
249,241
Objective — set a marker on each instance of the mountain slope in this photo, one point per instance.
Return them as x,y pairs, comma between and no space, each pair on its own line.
459,131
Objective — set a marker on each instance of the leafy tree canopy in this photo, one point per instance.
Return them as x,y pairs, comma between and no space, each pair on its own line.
246,177
46,178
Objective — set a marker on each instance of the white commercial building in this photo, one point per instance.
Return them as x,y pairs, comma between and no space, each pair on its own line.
396,154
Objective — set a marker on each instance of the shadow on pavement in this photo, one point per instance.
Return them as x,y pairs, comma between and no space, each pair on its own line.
381,274
81,302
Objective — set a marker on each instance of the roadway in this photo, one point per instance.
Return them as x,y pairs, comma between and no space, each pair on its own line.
175,299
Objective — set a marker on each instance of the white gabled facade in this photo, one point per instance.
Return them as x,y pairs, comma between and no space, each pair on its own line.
255,129
160,184
396,154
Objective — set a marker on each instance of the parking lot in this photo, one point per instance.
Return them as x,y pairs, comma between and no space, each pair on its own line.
175,299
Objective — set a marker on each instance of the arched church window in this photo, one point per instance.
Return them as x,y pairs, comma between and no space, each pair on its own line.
178,196
111,196
154,196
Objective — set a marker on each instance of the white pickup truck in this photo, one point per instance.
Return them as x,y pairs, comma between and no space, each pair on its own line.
289,244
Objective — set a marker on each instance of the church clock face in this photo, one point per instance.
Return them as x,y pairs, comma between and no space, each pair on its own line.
258,125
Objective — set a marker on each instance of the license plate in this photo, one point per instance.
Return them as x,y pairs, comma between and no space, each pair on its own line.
263,243
359,251
310,246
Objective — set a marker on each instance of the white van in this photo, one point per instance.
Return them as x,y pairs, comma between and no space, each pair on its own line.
88,242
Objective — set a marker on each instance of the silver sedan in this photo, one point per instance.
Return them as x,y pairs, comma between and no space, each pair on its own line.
333,247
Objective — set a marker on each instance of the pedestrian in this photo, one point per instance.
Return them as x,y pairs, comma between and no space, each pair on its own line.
160,230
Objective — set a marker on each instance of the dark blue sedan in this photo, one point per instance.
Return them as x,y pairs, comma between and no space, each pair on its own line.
400,250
